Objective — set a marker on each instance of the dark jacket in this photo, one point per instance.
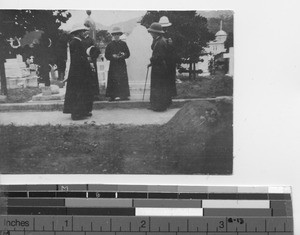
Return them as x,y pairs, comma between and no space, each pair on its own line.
160,95
79,97
92,57
117,85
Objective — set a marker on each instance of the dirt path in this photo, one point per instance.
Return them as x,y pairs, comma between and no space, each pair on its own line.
100,117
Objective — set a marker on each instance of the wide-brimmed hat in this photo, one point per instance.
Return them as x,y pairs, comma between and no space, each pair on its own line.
76,28
164,21
116,30
155,28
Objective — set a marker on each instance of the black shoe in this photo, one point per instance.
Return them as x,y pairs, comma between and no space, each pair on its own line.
89,114
77,117
159,110
96,98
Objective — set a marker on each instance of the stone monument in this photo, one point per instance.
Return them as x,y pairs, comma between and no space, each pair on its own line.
90,23
17,74
139,44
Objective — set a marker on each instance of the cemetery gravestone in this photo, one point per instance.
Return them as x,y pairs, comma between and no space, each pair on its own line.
231,61
17,74
139,43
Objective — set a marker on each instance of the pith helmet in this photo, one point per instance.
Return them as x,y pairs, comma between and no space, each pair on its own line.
155,28
164,21
79,28
116,30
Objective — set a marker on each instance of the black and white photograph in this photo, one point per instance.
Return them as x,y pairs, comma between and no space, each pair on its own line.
116,91
141,117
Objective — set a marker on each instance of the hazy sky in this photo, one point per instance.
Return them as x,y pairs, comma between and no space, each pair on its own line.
106,17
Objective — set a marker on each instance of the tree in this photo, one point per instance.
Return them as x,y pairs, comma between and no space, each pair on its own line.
229,41
15,23
189,33
103,36
227,24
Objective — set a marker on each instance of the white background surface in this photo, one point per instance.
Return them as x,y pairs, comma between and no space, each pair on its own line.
266,94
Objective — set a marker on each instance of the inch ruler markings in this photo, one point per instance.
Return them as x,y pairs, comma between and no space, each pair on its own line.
142,209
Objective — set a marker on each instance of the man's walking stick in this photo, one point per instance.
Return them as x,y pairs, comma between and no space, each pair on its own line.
145,82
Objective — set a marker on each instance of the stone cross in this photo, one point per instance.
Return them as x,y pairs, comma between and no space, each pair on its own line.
90,23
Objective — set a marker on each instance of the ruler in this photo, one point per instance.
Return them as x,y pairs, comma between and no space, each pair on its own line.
145,210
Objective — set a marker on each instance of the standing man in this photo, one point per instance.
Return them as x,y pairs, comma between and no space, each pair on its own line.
44,58
79,96
172,58
160,95
116,52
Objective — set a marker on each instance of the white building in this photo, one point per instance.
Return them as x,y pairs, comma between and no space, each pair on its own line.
215,47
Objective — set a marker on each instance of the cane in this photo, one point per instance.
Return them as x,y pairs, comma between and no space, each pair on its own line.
145,82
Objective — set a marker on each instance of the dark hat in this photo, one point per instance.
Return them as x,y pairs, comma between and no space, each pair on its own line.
155,28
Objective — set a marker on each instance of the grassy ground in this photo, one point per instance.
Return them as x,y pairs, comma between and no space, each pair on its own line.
202,87
181,146
84,149
211,86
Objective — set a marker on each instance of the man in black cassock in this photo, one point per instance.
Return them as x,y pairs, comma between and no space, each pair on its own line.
172,57
160,95
117,83
79,96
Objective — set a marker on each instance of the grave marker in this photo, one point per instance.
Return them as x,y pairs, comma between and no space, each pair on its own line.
139,44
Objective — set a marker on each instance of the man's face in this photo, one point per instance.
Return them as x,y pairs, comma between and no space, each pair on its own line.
116,37
154,35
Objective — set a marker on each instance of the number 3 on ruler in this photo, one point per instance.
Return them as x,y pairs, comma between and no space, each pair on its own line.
221,224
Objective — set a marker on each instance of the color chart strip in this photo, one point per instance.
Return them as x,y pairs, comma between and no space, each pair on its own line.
145,210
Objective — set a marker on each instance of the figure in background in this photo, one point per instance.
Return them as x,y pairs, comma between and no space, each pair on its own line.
61,53
116,52
172,58
79,96
4,48
44,58
160,95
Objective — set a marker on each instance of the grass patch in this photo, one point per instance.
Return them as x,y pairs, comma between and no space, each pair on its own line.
204,87
197,140
201,87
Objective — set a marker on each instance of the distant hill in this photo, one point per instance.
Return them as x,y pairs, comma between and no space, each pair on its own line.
216,14
213,18
126,26
101,27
